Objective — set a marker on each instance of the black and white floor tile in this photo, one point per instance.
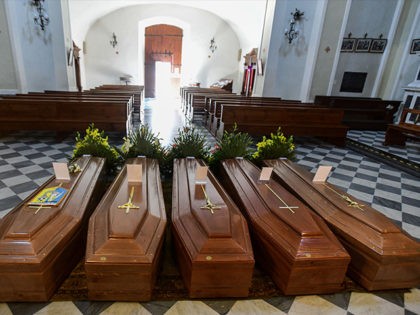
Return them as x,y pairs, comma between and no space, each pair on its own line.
25,163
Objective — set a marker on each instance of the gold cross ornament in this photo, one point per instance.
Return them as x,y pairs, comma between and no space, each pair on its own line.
40,207
286,206
209,205
129,204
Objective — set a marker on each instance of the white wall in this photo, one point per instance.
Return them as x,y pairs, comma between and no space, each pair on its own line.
8,82
287,65
104,65
409,63
40,56
373,17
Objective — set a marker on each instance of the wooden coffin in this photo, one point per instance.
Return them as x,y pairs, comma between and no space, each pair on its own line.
382,256
125,240
40,246
213,246
291,242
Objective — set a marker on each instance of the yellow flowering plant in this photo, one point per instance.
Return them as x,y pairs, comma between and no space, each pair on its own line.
95,143
277,146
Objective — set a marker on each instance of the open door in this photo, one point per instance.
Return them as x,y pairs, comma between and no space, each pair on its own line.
162,43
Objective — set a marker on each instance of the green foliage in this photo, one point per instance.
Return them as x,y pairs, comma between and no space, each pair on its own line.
189,142
274,147
143,142
233,144
96,144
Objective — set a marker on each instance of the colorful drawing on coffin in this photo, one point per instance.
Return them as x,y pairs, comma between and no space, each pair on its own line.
50,196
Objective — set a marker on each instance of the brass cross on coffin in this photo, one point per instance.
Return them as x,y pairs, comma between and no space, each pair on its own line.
40,207
209,205
129,204
286,206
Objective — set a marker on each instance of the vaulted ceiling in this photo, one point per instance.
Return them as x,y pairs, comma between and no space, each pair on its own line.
245,17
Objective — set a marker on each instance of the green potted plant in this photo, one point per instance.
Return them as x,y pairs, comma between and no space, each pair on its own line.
143,141
189,142
95,143
233,144
274,147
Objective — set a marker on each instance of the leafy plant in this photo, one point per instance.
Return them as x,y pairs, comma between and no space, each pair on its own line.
233,144
95,143
143,142
274,147
189,142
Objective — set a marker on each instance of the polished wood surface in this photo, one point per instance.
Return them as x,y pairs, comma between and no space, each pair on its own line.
382,256
362,113
124,245
293,120
213,246
397,134
39,249
291,242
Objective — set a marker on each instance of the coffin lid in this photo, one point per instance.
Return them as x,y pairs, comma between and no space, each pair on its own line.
270,200
362,212
224,231
26,231
129,233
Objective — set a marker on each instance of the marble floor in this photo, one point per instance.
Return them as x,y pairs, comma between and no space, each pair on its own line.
25,163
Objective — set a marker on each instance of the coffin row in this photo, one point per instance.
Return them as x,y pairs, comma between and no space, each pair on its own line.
382,256
40,244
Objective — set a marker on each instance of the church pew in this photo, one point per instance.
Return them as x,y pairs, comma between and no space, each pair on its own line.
190,96
63,115
397,134
128,100
209,106
137,90
293,120
196,104
185,94
362,113
215,117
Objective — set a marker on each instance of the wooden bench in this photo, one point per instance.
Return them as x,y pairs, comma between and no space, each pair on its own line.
397,134
136,90
296,121
362,113
186,91
63,115
196,106
215,117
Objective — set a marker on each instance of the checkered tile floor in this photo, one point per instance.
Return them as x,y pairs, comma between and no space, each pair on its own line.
25,163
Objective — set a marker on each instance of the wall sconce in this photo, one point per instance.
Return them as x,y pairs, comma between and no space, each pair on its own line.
213,46
292,33
41,18
113,42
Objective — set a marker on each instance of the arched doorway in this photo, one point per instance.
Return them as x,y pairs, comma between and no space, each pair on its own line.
163,43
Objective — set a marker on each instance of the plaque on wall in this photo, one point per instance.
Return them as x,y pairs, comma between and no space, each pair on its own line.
353,82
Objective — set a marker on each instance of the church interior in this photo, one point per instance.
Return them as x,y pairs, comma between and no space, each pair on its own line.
207,236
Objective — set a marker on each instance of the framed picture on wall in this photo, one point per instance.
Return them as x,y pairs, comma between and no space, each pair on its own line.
363,44
415,46
348,44
378,45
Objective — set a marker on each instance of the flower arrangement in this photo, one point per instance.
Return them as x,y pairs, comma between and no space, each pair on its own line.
143,141
189,142
95,143
233,144
274,147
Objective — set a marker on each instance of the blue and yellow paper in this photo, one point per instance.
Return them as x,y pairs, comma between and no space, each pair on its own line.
50,196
